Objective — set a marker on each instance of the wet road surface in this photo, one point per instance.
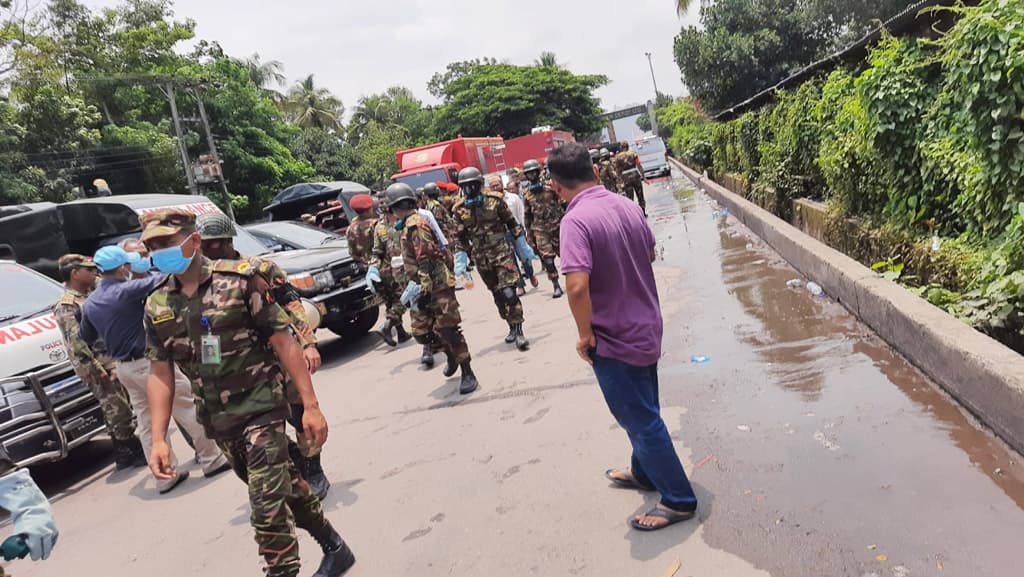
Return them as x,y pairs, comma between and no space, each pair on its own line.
815,449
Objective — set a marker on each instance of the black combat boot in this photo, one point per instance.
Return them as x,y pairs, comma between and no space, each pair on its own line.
427,358
385,333
313,473
403,336
469,382
128,454
338,558
511,336
452,364
521,342
558,290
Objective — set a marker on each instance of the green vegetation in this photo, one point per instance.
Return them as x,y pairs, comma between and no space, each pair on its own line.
86,99
925,139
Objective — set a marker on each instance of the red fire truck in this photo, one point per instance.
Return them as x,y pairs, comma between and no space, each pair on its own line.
442,161
536,146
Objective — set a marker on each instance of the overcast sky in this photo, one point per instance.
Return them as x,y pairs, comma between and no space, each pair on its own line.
357,47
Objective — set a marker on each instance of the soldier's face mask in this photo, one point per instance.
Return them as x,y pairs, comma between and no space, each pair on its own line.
533,176
472,189
172,260
142,265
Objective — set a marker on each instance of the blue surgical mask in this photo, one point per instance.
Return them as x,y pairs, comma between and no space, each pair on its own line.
400,224
172,260
142,266
472,201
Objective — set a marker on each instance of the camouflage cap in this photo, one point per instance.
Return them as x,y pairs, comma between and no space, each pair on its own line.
166,222
70,261
215,226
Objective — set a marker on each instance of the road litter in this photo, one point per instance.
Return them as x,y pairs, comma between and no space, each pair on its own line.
872,547
673,568
744,428
815,289
795,283
900,571
882,557
700,360
703,462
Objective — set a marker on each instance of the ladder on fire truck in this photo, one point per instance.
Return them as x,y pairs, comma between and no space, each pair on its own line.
498,153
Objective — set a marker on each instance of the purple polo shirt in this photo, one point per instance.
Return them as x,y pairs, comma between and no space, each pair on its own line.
606,235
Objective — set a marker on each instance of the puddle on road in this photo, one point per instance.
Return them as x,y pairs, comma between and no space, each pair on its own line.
806,407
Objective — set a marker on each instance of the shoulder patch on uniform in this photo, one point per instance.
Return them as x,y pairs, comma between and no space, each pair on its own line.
492,194
67,299
413,220
242,267
264,266
163,317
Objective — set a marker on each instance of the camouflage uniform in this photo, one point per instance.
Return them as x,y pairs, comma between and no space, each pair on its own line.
240,401
630,180
94,368
609,177
387,245
544,211
437,322
482,229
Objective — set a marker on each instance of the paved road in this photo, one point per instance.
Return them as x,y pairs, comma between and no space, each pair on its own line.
815,450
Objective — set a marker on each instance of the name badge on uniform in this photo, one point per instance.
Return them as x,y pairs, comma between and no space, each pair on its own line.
397,262
211,349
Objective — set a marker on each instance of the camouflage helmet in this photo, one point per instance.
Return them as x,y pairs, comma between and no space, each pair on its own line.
531,165
431,190
215,226
605,153
398,192
470,174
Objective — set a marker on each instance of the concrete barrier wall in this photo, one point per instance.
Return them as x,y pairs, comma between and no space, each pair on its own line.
981,373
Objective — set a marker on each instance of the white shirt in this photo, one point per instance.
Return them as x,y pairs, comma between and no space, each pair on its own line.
515,204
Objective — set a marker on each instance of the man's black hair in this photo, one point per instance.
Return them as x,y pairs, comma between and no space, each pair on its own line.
570,165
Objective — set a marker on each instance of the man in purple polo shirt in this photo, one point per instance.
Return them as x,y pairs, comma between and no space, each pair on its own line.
607,251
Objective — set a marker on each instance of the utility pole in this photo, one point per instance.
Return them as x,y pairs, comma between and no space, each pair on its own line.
213,152
169,91
651,103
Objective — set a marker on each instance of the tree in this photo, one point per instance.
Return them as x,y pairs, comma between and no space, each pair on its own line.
376,154
267,74
511,100
397,106
440,81
311,106
547,59
325,152
743,47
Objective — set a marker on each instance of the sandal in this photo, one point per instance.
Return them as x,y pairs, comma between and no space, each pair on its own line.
628,483
672,517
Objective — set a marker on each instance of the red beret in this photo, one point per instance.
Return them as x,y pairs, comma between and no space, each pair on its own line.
361,202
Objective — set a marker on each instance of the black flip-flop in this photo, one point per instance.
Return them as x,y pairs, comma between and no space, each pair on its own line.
630,483
672,517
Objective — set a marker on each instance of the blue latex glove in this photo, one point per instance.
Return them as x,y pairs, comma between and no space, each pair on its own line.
372,276
33,518
461,263
411,295
524,248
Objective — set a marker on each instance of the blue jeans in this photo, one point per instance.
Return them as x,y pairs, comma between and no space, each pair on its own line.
632,395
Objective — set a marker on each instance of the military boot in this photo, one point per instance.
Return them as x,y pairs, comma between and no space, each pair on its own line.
385,333
313,473
128,454
557,290
338,558
427,358
511,336
521,342
469,382
452,365
403,336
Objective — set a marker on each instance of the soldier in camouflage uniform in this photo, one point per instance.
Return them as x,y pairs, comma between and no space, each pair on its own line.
430,291
606,170
217,233
219,322
544,212
627,166
483,219
94,368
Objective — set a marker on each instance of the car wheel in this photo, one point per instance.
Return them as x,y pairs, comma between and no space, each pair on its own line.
357,326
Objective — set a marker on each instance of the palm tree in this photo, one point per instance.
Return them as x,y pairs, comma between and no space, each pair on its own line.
264,74
310,106
547,60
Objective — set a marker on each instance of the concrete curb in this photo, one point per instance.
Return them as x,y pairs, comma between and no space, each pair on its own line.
981,373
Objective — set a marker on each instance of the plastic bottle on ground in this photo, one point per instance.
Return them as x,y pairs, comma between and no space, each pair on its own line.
815,289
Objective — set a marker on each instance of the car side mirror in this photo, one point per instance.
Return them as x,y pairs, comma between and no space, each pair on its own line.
276,248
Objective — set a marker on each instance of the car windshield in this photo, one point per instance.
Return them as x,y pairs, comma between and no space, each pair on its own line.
247,244
418,180
302,235
25,293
